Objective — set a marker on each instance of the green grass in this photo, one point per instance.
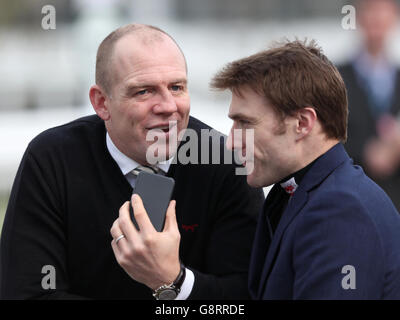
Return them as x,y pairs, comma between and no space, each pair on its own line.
3,207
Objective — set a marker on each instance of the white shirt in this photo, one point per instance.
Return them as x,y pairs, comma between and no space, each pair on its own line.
126,165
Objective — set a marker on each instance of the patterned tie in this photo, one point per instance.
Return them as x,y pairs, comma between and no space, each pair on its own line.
149,169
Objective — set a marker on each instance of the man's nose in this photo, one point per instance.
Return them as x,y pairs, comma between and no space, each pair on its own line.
165,104
229,141
234,140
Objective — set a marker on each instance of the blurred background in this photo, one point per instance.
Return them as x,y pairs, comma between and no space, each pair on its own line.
46,74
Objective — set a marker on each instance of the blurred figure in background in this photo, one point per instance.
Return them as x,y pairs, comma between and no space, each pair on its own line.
373,85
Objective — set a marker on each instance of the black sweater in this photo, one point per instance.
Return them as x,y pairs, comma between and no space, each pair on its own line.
66,195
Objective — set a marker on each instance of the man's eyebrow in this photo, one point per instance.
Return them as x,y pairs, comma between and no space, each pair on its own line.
239,116
140,85
183,80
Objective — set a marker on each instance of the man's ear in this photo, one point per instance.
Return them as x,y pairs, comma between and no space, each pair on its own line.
306,119
99,101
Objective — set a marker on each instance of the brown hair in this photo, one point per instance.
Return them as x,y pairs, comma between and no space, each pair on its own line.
105,50
292,76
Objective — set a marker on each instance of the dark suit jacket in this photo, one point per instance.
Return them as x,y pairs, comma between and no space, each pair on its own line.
362,125
336,218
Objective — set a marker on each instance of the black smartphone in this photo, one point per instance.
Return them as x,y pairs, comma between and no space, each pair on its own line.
155,191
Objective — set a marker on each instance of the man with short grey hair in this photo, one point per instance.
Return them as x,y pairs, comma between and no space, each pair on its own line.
74,181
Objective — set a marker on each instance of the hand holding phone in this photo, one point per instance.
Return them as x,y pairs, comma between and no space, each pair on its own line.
144,260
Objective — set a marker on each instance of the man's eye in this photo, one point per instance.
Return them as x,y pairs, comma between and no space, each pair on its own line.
141,92
176,88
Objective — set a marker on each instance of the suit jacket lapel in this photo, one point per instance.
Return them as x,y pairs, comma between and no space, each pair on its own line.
262,241
317,173
295,204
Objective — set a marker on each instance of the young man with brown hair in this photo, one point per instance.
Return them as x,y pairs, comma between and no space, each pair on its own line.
327,230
